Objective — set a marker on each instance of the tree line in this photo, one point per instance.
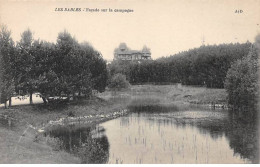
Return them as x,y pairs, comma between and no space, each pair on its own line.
230,66
203,66
64,68
68,67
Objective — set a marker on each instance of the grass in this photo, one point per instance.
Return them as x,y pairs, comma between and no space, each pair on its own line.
31,147
172,94
28,151
39,115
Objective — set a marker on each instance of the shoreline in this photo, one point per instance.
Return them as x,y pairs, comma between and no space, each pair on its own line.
105,106
26,133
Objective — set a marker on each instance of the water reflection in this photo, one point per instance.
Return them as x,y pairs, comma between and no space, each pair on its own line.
181,137
88,143
157,134
242,132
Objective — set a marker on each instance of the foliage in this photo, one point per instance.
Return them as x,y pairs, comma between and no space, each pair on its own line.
63,69
26,65
203,66
94,151
7,52
118,82
241,81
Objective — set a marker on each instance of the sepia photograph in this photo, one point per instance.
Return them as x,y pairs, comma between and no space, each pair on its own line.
129,81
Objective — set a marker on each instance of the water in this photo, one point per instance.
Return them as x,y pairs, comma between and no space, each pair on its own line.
156,138
176,136
86,142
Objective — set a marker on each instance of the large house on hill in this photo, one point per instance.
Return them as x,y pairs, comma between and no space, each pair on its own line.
124,53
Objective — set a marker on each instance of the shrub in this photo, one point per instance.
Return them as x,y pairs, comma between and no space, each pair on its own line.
118,82
241,81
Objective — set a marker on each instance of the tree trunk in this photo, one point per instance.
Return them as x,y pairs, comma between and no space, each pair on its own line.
31,101
68,97
10,101
74,96
70,141
79,95
5,104
80,141
44,100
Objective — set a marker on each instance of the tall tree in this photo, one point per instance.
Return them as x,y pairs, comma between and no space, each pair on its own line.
7,52
26,64
43,68
241,81
67,49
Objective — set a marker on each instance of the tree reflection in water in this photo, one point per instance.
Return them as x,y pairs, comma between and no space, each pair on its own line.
239,127
242,132
92,146
88,143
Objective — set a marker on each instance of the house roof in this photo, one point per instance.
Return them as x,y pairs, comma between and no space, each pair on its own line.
124,50
127,52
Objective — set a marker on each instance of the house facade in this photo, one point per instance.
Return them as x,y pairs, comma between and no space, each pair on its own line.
124,53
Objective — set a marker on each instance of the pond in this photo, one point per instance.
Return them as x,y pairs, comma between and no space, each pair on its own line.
170,135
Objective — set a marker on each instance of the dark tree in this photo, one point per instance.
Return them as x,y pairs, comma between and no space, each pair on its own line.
118,82
241,81
26,79
7,53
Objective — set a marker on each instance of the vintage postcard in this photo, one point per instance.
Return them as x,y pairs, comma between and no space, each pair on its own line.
129,81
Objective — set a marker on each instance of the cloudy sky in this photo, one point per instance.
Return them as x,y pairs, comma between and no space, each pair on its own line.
165,26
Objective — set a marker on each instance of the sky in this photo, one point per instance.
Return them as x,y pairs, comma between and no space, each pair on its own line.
165,26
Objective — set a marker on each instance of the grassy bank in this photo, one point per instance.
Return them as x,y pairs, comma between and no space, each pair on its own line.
16,148
39,115
20,141
171,94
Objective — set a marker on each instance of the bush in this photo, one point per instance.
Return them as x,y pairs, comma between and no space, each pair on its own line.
241,82
118,82
55,143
